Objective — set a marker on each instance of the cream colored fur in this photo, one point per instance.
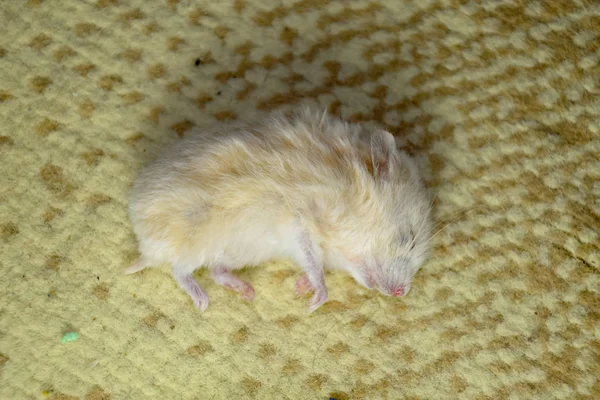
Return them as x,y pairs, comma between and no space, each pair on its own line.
239,194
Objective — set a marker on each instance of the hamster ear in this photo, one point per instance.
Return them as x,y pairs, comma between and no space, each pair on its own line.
383,150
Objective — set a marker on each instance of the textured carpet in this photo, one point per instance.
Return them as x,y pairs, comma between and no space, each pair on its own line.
498,101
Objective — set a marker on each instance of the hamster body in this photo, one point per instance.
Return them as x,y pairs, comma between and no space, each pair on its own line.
310,188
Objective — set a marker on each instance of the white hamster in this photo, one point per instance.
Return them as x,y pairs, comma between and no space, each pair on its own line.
307,187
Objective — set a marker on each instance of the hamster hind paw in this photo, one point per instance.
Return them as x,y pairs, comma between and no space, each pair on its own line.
224,277
303,285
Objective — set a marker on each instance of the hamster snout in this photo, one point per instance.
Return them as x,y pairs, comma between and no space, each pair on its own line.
330,195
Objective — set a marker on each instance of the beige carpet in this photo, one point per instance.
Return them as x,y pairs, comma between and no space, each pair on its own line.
498,100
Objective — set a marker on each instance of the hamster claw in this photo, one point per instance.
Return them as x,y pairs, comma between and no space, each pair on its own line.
317,300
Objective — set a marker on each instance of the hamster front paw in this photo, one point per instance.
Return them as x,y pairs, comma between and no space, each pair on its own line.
201,302
191,287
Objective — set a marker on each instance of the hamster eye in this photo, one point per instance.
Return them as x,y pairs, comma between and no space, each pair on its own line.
412,239
408,240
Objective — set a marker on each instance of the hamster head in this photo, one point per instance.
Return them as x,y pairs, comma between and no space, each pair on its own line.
399,253
398,232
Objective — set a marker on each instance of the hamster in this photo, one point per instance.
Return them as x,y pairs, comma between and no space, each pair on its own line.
308,187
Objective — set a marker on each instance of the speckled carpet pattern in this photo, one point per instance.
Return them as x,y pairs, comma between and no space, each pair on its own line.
498,101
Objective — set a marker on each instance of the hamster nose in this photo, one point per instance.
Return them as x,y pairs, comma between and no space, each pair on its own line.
399,291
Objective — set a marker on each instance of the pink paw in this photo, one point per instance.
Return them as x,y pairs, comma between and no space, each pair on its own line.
303,285
247,291
201,303
243,288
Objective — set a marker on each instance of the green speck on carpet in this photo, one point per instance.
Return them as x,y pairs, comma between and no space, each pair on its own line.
69,337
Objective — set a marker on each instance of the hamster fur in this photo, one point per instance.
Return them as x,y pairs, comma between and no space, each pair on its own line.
310,188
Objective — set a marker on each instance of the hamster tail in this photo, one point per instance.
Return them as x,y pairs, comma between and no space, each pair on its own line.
137,266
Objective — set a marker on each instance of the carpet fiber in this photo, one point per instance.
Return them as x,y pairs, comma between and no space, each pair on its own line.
499,101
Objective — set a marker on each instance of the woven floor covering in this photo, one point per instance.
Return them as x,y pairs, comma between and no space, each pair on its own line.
497,100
